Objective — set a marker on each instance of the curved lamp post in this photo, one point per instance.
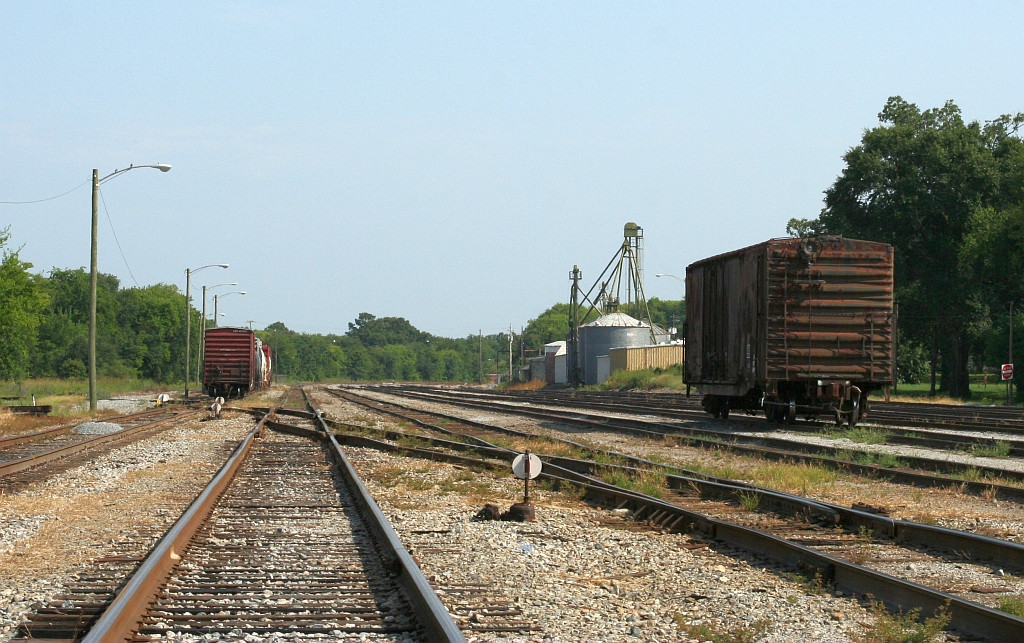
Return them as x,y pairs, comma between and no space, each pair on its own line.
96,182
216,298
665,274
188,313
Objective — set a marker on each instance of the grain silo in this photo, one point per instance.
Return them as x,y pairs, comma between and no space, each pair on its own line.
620,285
614,330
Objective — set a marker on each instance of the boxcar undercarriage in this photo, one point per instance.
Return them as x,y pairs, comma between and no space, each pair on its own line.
846,403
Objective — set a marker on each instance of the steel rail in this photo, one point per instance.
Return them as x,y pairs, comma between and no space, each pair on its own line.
1006,554
14,440
778,448
63,452
431,613
965,616
912,414
626,404
122,616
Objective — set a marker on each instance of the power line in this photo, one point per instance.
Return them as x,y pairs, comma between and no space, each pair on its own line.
117,242
46,199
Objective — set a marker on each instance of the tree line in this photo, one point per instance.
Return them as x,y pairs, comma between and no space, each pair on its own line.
141,334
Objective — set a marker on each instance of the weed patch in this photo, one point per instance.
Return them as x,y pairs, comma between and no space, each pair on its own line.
736,634
904,627
998,449
1012,605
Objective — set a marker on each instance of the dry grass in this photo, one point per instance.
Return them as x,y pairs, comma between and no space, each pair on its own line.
532,385
19,423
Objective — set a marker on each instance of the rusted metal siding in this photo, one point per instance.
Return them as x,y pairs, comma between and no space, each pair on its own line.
829,310
230,359
791,309
723,322
638,358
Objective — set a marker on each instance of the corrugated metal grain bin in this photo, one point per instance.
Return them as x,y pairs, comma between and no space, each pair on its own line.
613,330
793,326
638,358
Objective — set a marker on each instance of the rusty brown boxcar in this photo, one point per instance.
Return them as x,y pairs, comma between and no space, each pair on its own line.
793,327
235,362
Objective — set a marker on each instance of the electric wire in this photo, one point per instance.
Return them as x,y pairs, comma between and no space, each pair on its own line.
116,241
47,198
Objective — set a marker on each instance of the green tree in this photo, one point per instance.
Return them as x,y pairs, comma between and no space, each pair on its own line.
398,362
63,347
668,313
803,227
374,331
152,320
918,181
22,302
283,344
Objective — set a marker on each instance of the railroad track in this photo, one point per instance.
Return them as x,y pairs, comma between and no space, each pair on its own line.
828,543
922,471
936,426
280,543
36,456
996,419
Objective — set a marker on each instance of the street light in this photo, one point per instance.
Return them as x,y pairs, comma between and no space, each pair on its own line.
216,298
1009,382
665,274
93,275
202,345
188,313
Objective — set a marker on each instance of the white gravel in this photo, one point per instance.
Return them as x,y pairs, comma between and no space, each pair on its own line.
97,428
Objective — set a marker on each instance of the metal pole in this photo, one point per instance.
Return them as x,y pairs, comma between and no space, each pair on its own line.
202,343
215,319
1009,382
92,293
188,323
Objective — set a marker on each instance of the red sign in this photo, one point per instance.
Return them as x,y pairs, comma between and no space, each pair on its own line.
1007,371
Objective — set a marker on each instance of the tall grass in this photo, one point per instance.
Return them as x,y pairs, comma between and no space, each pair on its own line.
51,387
70,397
651,378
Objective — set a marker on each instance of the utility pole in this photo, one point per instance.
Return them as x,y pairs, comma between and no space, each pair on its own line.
510,352
574,328
1009,382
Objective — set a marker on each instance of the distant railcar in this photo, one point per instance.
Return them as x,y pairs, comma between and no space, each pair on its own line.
235,362
793,327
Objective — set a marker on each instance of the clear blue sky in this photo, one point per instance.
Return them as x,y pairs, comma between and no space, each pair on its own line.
450,162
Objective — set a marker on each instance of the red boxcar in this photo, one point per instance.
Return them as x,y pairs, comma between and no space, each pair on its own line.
792,327
235,362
